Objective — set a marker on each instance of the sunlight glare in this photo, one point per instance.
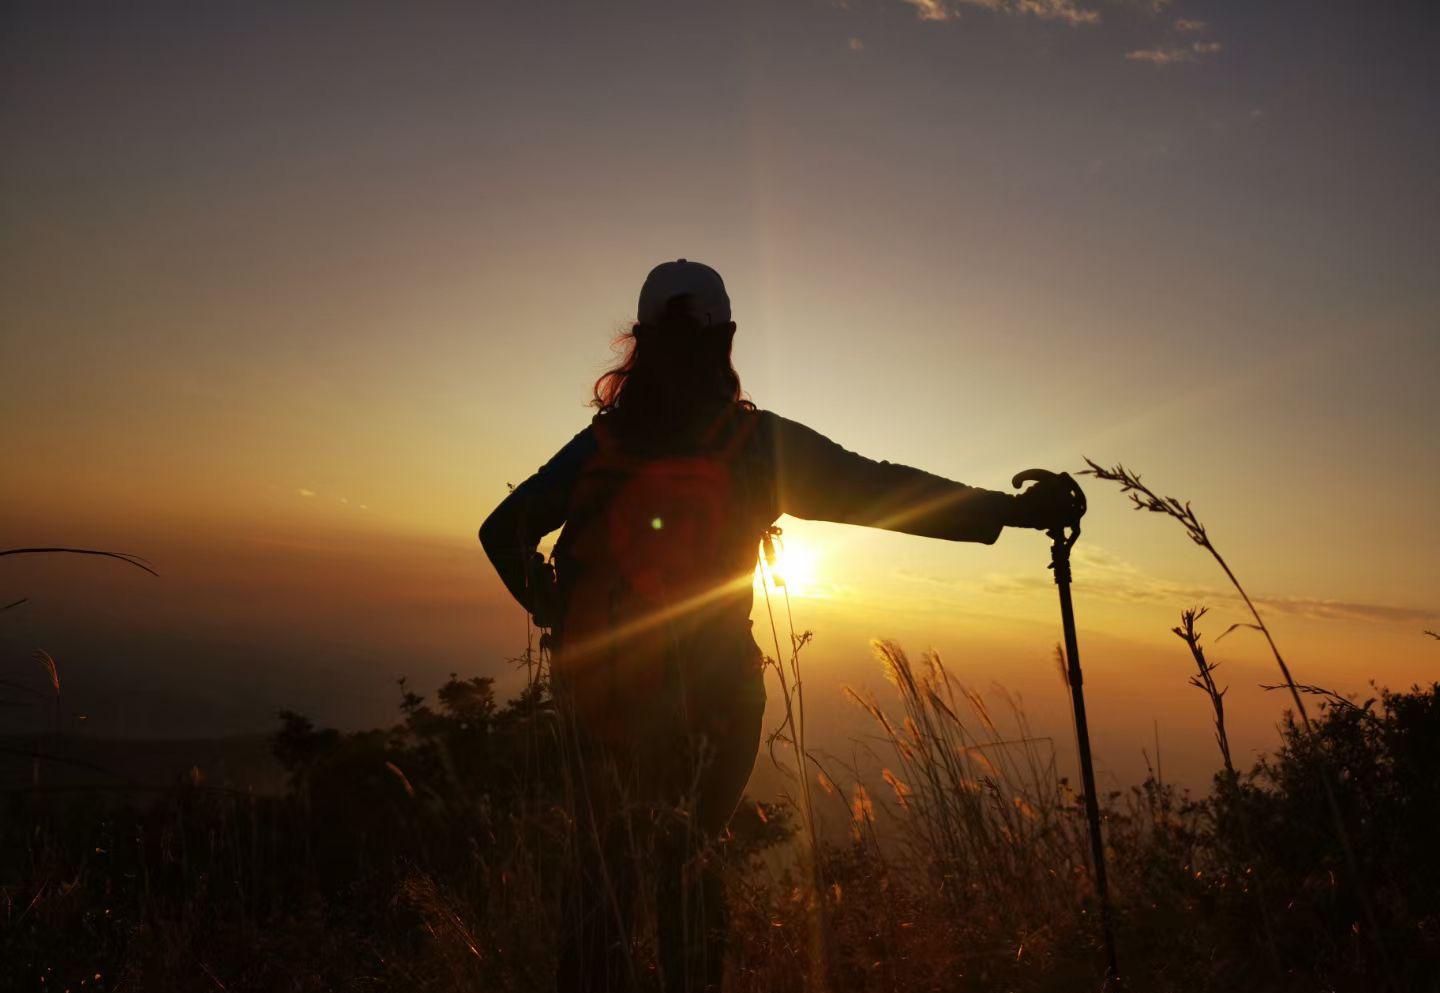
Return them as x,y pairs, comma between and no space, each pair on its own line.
796,567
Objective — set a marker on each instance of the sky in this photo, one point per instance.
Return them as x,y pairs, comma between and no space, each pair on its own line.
290,292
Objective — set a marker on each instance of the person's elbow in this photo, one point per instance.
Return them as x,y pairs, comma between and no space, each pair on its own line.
497,532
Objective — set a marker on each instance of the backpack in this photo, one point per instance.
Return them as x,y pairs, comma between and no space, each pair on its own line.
655,565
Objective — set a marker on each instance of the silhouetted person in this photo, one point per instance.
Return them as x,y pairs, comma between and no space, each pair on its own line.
664,498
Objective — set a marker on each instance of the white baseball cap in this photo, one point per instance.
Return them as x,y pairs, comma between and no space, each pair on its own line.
702,287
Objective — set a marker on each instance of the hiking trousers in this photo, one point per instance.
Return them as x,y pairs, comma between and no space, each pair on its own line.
665,798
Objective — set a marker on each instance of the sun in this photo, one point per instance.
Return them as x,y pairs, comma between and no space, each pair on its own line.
797,567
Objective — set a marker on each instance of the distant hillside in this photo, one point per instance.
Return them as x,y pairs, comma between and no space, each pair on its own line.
241,762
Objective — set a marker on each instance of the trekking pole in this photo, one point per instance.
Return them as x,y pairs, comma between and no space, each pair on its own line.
1060,543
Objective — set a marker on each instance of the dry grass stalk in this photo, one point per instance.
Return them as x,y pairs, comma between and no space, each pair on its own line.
793,696
1204,679
47,662
125,557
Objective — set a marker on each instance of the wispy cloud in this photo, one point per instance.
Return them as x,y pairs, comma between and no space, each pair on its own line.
1057,10
1181,39
1344,610
1173,48
931,10
305,493
1165,55
1105,576
1066,11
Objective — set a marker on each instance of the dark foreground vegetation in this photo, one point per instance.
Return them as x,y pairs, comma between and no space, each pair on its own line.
429,856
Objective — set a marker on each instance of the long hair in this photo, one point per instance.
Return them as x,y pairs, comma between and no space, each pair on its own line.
672,376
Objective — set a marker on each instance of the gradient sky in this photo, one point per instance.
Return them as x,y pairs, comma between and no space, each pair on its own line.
288,292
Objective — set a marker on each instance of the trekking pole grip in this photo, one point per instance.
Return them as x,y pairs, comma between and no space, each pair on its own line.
1076,510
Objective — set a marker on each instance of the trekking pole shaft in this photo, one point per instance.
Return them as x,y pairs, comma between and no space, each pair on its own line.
1060,552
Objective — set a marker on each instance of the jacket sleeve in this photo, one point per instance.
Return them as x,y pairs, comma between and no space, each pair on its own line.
817,479
532,510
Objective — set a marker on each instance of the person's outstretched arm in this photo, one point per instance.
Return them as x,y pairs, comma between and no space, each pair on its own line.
817,479
533,509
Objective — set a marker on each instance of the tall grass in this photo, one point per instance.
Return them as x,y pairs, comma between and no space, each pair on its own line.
985,811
